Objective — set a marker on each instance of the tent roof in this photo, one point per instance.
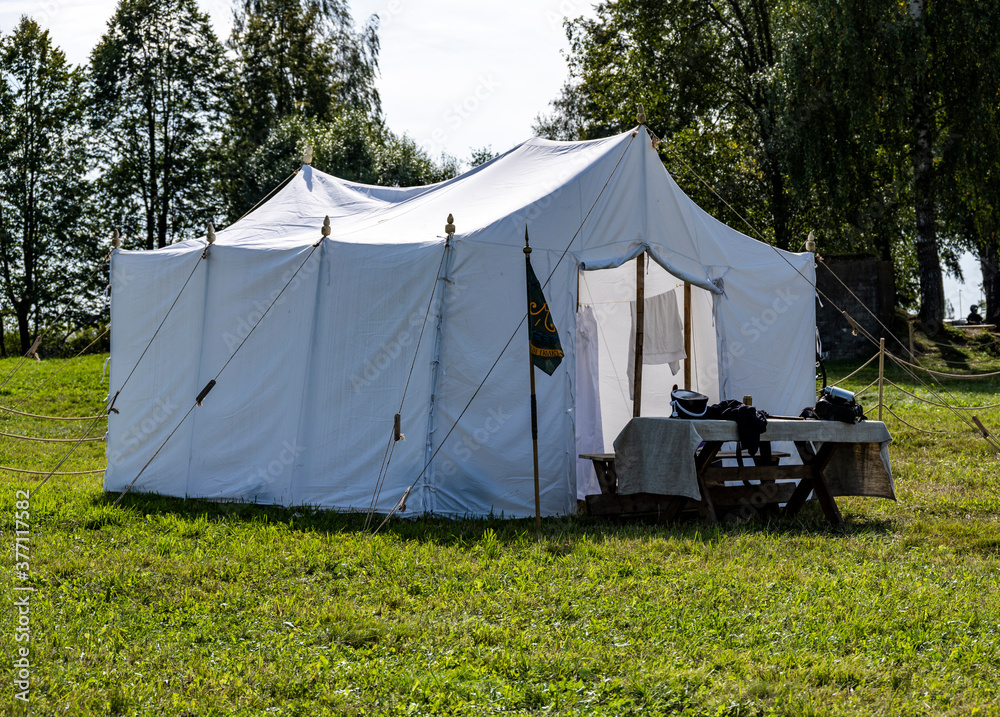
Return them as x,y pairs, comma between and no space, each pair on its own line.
372,214
606,200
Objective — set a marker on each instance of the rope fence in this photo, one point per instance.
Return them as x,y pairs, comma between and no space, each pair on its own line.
943,374
45,473
881,382
940,405
50,418
48,440
859,370
916,428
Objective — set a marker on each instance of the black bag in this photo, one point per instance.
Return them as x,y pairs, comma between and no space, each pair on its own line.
836,404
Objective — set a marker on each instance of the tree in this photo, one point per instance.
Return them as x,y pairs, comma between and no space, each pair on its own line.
924,125
297,58
874,121
967,175
705,70
157,77
901,101
45,254
352,146
846,116
482,155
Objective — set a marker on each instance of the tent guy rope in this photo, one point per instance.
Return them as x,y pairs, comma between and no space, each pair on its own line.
396,435
211,384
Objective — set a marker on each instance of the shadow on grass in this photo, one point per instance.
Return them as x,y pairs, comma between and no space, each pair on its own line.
449,531
955,357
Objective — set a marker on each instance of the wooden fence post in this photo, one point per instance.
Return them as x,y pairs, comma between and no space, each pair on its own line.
881,374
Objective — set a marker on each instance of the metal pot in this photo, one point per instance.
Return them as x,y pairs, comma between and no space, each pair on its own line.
688,404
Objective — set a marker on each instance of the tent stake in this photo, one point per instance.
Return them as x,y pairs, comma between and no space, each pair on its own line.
640,305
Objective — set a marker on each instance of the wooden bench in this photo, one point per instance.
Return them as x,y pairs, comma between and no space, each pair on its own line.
607,478
717,495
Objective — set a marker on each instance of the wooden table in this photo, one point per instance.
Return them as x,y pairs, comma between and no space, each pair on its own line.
835,459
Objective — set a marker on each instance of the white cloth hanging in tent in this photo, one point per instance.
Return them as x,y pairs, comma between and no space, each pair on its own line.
662,336
589,428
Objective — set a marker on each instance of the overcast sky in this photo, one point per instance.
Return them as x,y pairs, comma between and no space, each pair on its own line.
456,75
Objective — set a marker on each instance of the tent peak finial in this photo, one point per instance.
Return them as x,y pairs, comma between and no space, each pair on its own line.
326,226
116,239
307,155
527,247
449,227
641,115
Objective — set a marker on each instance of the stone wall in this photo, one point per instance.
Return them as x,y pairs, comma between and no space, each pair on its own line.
873,283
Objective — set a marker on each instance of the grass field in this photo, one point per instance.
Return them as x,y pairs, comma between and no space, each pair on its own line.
172,607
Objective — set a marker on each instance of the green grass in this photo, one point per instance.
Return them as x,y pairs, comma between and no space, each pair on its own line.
162,606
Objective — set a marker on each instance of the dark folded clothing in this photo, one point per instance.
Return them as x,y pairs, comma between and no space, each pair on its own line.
750,422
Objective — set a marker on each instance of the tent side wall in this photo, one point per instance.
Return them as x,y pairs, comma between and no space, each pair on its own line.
371,303
144,286
764,312
303,411
485,465
766,322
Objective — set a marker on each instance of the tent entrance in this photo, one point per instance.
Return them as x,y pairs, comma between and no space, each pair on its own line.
606,328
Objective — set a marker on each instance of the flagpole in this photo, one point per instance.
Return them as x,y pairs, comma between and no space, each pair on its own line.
534,404
534,446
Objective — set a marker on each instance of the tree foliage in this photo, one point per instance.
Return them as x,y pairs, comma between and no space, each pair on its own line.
46,257
707,73
294,58
968,171
352,147
157,79
873,122
163,133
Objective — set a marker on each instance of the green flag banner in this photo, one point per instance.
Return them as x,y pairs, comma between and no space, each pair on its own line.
543,339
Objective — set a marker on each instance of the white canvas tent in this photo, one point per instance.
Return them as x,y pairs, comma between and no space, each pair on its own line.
303,408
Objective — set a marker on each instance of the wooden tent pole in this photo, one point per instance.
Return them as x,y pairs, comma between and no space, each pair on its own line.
687,335
640,304
578,287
